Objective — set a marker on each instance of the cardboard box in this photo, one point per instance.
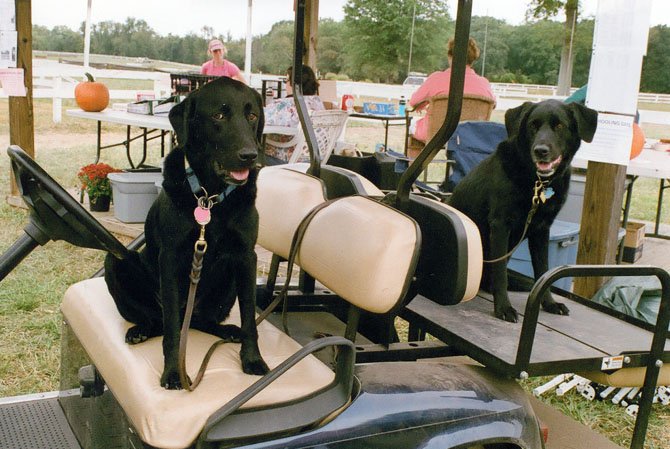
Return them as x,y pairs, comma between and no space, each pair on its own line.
145,107
379,108
634,235
133,194
632,255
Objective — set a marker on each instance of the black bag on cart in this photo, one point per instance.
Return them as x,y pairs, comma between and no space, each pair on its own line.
381,168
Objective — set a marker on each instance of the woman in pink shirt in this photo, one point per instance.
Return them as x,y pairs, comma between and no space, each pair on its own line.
218,65
438,84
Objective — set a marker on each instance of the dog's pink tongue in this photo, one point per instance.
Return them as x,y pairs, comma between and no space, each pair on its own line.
549,165
240,175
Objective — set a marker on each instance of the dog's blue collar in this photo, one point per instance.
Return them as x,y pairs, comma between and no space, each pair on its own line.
197,189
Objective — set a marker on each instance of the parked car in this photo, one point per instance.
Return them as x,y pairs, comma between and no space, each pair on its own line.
414,79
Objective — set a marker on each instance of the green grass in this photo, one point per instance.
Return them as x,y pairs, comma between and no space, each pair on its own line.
606,418
31,294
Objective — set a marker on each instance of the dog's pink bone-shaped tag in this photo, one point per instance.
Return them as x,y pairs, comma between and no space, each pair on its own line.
202,215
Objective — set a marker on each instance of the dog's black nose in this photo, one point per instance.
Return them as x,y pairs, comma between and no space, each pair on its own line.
541,150
248,154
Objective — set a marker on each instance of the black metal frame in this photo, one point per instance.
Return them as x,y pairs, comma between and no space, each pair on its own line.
146,135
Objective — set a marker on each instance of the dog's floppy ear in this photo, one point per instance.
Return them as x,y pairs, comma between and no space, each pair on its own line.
514,117
179,116
586,118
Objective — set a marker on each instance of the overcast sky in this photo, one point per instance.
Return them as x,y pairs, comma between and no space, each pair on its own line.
182,17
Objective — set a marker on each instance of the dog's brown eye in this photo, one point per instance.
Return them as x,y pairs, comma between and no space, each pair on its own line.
559,126
252,117
219,116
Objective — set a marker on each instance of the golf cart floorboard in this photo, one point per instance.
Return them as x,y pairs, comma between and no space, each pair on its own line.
35,424
562,344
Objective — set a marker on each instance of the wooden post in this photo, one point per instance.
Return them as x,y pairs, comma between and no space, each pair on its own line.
311,31
21,118
601,217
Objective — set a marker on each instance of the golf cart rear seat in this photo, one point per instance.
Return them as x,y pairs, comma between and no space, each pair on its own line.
368,259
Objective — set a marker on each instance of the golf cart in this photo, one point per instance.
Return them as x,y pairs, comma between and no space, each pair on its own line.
338,378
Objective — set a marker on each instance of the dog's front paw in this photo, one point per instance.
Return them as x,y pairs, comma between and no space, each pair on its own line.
170,380
229,333
255,366
556,308
136,334
508,314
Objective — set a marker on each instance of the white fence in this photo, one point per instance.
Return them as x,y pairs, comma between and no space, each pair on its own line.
55,80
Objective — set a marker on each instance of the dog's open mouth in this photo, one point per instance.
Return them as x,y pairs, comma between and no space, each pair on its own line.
236,177
547,168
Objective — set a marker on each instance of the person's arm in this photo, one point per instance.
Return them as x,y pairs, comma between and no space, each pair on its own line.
235,72
240,77
424,92
203,68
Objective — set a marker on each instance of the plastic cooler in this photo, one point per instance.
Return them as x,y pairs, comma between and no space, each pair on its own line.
563,239
133,194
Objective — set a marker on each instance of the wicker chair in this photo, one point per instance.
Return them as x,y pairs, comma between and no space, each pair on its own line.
328,126
474,107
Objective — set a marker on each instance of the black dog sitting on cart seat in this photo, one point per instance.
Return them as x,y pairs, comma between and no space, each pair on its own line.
531,166
218,127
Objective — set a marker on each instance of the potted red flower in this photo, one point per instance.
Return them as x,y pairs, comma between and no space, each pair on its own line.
96,184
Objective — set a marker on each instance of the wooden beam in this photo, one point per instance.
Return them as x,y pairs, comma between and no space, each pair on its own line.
601,216
311,32
21,118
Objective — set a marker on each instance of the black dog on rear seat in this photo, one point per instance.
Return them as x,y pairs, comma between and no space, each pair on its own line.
218,129
497,195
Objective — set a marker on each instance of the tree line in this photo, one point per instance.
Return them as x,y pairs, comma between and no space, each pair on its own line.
374,45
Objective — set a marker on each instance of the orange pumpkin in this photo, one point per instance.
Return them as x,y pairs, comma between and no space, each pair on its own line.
91,95
638,141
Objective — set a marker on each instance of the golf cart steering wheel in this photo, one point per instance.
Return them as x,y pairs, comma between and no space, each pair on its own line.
54,215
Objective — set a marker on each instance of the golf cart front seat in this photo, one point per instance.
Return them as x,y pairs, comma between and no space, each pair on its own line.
357,228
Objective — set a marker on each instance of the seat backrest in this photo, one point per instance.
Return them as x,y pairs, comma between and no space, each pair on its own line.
450,266
284,198
328,126
364,251
475,107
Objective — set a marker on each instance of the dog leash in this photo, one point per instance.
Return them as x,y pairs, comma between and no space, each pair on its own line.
541,193
203,216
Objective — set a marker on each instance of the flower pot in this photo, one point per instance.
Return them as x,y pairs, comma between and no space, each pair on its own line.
99,203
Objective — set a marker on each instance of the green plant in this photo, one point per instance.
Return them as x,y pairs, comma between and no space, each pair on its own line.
94,180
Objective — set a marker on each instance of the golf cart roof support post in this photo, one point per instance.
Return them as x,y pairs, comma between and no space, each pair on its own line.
457,82
305,121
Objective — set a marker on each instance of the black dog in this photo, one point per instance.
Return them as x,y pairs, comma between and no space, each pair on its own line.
218,129
497,195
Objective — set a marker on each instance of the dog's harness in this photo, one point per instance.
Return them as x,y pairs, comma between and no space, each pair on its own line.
202,216
542,191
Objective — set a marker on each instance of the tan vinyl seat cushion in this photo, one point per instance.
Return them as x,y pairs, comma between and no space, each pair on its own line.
174,418
370,254
284,198
475,252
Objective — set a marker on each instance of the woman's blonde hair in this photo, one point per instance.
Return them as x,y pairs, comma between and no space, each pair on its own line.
473,50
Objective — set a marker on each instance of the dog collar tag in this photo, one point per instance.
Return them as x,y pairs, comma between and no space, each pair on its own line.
202,215
548,192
